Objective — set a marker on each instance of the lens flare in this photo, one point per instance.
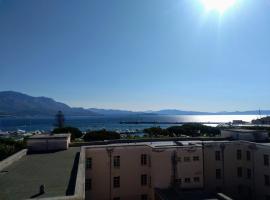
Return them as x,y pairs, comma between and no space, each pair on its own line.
218,5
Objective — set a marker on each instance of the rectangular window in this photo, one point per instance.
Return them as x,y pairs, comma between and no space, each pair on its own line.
116,182
196,158
144,197
88,184
196,179
88,163
218,173
143,179
143,159
248,155
248,173
186,159
116,198
187,180
217,155
266,160
239,154
266,180
239,172
116,161
178,181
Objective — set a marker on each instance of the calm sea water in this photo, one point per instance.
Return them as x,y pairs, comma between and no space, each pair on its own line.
113,122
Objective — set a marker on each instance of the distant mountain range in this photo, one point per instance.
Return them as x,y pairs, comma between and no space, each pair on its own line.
18,104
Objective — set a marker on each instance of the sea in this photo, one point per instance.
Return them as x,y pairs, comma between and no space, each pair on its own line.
120,123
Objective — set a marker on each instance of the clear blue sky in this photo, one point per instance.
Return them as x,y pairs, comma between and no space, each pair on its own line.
138,54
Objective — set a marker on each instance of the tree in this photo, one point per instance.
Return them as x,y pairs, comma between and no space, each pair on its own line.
75,132
101,135
59,120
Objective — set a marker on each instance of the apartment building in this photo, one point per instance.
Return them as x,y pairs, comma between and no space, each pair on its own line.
142,171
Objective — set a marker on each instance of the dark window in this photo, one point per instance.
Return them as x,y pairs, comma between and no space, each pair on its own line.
187,180
196,179
178,181
248,155
116,182
186,159
144,197
88,184
217,155
266,180
116,198
143,179
248,173
266,160
116,161
143,159
218,173
239,154
88,163
196,158
239,171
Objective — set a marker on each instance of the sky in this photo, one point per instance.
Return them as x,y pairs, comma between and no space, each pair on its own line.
138,55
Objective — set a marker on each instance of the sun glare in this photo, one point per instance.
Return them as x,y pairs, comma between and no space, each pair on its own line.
218,5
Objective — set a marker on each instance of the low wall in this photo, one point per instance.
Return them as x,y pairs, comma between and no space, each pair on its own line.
11,159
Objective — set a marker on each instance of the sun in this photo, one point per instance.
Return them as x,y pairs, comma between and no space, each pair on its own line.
219,6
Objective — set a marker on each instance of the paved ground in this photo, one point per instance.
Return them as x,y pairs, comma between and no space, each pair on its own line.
57,171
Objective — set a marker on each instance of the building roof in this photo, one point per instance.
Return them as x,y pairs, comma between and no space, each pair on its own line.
50,136
57,171
245,130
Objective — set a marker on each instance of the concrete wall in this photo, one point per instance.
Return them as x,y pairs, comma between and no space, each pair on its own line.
11,159
51,144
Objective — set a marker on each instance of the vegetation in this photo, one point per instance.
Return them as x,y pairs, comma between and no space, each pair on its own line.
9,147
101,135
75,132
190,129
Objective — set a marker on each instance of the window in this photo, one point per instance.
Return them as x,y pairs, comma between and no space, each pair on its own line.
196,158
266,160
186,159
88,163
217,155
196,179
248,173
248,155
218,173
144,197
116,182
187,180
266,180
143,159
239,154
116,161
88,184
116,198
239,171
143,179
178,181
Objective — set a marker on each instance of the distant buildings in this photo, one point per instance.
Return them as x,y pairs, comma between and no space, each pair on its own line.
245,134
143,171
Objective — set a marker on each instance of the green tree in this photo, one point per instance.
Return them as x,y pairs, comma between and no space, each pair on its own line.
101,135
75,132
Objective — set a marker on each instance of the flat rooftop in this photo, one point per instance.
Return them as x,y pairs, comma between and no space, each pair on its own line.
56,170
50,136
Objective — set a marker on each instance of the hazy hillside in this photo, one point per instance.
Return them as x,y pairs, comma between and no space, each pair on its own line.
18,104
